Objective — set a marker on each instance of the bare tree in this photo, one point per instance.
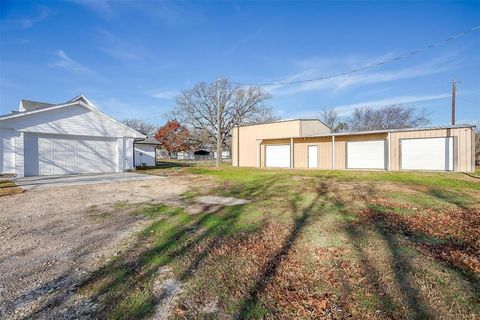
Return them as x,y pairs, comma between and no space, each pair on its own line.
387,117
140,125
197,108
330,118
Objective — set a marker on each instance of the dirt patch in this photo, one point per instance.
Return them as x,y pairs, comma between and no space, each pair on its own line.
50,239
210,204
166,290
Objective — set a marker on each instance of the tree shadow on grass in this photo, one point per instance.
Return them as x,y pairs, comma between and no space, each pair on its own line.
123,287
400,265
269,270
460,200
390,228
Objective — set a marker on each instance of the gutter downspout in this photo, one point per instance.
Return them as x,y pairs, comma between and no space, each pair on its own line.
238,146
388,151
333,152
291,154
259,152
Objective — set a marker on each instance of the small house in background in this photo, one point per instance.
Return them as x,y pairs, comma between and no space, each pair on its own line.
145,152
225,154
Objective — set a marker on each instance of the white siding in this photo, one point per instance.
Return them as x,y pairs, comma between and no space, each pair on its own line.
128,154
120,155
19,155
144,154
7,151
72,120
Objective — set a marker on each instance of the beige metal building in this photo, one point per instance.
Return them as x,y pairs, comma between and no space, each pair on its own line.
308,143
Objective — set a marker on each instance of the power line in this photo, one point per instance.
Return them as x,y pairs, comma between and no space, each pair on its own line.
414,52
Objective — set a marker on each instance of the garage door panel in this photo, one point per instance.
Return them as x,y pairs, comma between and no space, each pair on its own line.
366,154
427,154
277,156
69,156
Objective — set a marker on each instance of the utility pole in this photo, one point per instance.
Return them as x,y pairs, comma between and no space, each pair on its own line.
219,133
454,91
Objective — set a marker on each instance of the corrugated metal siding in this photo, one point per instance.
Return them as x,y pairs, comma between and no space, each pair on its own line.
463,148
234,147
324,147
310,127
249,135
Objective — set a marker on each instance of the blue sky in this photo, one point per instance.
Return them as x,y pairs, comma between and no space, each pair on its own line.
132,58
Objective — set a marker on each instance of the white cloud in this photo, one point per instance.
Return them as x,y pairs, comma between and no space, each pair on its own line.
123,110
314,68
118,47
100,7
167,95
65,62
43,13
346,109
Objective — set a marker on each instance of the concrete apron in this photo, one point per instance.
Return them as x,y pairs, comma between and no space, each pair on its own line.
80,179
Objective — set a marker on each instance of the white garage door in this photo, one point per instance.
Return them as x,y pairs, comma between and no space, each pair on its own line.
366,154
427,154
278,156
67,156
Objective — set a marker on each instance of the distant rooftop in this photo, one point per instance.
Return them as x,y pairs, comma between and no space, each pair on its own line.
147,140
28,105
279,121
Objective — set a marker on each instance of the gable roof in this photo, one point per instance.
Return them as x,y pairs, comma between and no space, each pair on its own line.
80,100
28,105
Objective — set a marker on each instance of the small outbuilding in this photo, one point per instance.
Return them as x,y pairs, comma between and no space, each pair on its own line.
307,143
146,152
64,138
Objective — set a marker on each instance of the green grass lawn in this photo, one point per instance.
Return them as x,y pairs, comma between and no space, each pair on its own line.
310,244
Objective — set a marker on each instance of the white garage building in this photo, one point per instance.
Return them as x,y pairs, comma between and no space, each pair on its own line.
67,138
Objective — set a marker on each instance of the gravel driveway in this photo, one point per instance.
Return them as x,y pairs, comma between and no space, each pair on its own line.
52,238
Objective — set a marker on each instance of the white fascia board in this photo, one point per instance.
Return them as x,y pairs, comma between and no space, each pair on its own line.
22,114
134,134
84,98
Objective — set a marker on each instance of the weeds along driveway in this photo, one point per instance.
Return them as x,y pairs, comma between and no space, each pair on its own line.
52,237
